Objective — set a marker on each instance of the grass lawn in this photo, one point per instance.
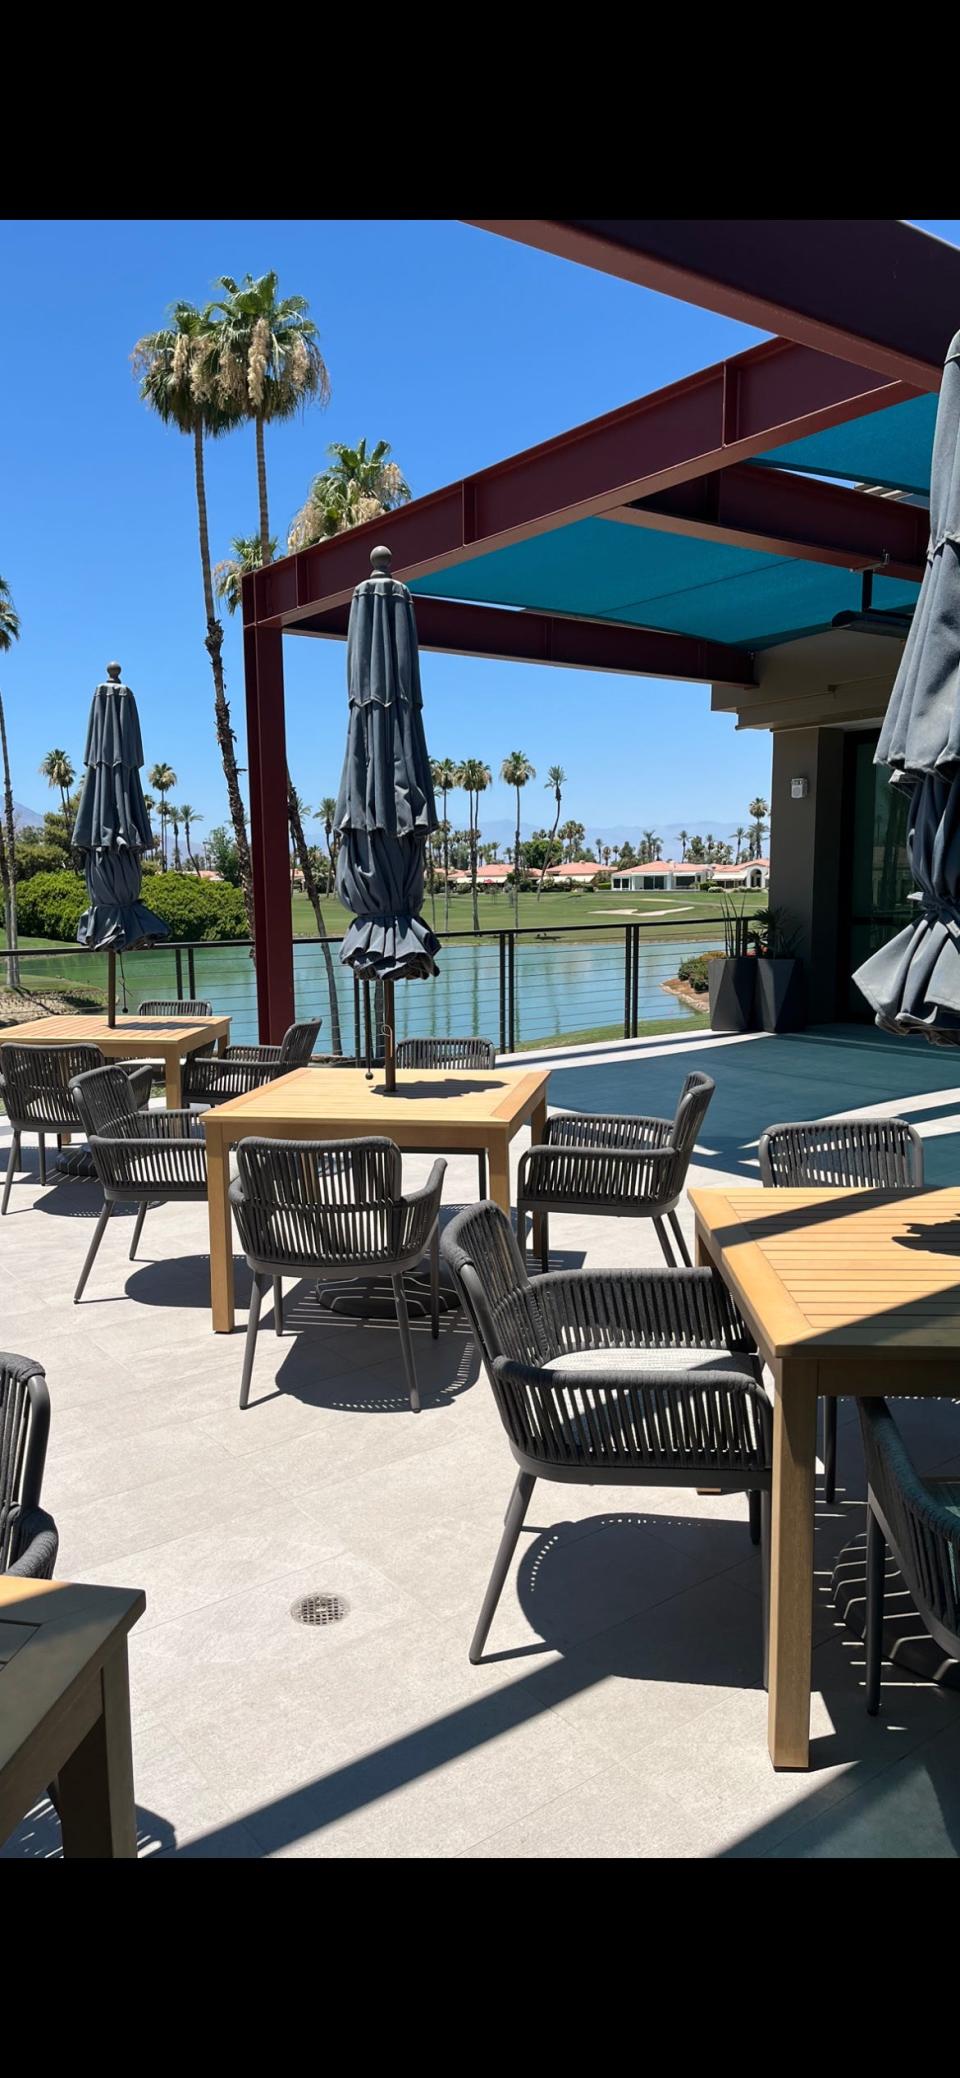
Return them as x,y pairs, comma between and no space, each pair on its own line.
554,911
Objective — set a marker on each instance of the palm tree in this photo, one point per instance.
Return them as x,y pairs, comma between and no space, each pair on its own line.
176,369
57,770
357,487
163,777
515,771
474,777
325,814
571,837
175,824
9,634
556,779
739,834
446,775
684,836
247,555
269,364
759,810
189,816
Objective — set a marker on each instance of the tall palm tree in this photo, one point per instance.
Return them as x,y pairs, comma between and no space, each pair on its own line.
684,836
189,816
556,778
515,771
176,368
175,826
358,486
247,555
163,777
445,773
759,810
269,364
9,634
739,834
325,814
57,770
474,777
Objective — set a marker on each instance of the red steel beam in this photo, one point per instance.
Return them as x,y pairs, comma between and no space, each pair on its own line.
873,290
270,858
797,516
540,638
772,394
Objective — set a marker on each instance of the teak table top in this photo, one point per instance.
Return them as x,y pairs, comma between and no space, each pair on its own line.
155,1036
428,1104
835,1275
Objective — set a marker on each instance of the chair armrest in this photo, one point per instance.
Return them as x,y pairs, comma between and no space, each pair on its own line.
207,1079
264,1056
158,1125
680,1421
173,1160
643,1309
421,1210
35,1545
595,1175
618,1130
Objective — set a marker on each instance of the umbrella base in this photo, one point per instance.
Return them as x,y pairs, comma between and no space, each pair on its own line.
371,1298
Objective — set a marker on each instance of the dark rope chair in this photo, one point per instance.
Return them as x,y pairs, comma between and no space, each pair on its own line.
631,1168
36,1089
330,1211
919,1520
141,1157
673,1396
28,1535
454,1054
174,1006
209,1081
859,1153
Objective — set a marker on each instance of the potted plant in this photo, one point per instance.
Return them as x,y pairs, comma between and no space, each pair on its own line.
780,1005
732,979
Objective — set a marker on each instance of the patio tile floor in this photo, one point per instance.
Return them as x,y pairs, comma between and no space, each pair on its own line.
620,1710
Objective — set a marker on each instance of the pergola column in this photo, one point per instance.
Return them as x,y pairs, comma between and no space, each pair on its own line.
270,857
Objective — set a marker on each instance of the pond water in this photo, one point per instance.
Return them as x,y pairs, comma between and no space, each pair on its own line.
564,987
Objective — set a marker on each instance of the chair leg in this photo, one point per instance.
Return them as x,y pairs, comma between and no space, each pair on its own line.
406,1342
12,1165
512,1526
42,1149
253,1321
678,1236
766,1504
435,1284
873,1634
664,1240
482,1173
138,1229
830,1450
101,1229
754,1504
278,1305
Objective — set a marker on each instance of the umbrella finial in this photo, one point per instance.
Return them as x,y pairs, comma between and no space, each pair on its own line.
113,671
380,561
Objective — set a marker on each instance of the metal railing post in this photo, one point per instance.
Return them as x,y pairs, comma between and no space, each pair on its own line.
178,957
635,1003
503,993
191,973
512,992
627,951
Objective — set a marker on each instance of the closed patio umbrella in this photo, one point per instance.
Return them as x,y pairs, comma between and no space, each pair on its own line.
913,984
385,807
112,829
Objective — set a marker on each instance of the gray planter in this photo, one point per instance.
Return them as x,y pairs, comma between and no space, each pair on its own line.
780,1005
732,984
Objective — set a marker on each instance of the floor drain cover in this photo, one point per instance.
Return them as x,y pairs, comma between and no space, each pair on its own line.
318,1609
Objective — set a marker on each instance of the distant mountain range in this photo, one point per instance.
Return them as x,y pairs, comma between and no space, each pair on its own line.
499,831
23,817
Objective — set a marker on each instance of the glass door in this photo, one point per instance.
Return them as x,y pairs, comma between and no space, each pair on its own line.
875,880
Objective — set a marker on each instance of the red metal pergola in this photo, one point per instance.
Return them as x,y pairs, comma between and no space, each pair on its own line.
672,461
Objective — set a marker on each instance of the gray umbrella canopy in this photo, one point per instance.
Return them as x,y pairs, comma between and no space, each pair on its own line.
112,826
385,807
913,984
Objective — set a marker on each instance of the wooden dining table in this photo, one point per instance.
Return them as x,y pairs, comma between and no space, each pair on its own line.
166,1039
845,1291
432,1110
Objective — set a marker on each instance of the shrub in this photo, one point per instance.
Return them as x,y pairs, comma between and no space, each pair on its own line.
694,971
51,905
38,858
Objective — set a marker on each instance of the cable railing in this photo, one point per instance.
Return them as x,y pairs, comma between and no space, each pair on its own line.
521,988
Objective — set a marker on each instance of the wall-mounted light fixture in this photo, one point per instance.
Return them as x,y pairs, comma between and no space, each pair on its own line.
799,789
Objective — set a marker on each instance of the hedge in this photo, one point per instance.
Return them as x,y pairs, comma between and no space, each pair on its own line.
51,905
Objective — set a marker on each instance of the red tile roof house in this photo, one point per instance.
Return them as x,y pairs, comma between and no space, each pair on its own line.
577,873
668,874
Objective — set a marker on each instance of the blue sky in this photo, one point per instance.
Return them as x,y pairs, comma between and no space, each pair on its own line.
457,347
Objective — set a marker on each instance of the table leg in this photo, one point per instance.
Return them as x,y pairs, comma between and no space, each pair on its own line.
498,1164
95,1786
538,1129
221,1234
223,1042
791,1564
701,1253
173,1082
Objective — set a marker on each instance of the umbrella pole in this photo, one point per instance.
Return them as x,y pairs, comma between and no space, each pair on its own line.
389,1043
111,987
